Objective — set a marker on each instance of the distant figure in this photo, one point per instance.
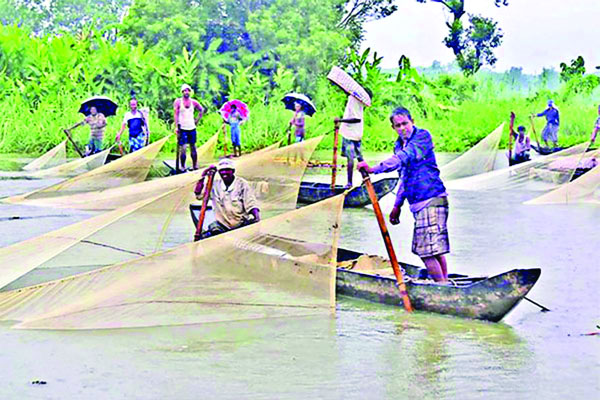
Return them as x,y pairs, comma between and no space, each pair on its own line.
97,123
234,121
233,200
298,122
522,143
352,134
139,133
421,185
185,125
596,127
550,131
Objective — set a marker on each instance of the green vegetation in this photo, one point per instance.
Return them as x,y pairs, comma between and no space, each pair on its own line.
161,44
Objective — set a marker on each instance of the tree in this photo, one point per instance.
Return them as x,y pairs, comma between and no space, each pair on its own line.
568,72
473,45
360,11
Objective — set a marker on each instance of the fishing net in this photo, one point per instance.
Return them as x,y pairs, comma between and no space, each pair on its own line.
126,170
57,155
73,168
584,188
158,219
265,270
285,164
541,174
477,160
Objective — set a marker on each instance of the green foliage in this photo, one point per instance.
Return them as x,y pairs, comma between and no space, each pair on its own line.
576,69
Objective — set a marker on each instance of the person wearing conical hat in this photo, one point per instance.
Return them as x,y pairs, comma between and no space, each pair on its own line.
184,109
233,200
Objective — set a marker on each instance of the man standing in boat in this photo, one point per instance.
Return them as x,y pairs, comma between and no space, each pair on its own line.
97,123
421,185
233,200
185,125
550,131
139,133
596,127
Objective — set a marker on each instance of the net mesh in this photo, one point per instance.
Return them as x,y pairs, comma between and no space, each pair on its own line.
57,155
149,224
477,160
279,165
541,174
582,189
128,169
265,270
73,168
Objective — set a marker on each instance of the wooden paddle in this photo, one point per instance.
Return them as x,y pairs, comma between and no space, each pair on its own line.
224,140
177,152
534,132
336,133
77,149
510,135
207,190
387,240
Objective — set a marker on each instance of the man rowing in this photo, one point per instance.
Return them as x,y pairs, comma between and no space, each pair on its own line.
421,185
233,200
550,131
522,142
97,124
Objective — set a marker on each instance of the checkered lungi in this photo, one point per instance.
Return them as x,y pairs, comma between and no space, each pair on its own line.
430,237
550,133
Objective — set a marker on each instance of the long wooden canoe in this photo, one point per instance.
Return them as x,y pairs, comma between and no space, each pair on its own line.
311,192
544,151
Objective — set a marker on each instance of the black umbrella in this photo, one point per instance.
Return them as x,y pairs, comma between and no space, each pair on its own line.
103,104
307,106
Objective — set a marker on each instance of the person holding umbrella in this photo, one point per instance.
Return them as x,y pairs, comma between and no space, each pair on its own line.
185,125
139,133
97,123
298,122
235,113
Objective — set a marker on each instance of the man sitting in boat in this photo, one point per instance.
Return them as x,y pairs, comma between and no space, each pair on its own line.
522,145
233,200
421,184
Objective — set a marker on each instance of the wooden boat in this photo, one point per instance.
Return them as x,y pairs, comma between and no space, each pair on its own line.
112,157
512,161
311,192
484,298
544,151
371,278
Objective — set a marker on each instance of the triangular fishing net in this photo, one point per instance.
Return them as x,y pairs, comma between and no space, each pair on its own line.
265,270
581,189
157,219
73,168
263,163
55,156
541,174
477,160
128,169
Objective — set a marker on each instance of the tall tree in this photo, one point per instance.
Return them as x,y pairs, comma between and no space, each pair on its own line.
474,44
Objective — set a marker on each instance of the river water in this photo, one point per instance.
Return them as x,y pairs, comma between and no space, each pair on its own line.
365,350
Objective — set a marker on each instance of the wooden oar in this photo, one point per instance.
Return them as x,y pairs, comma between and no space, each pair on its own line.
336,133
289,134
387,240
224,139
177,151
67,132
207,190
534,132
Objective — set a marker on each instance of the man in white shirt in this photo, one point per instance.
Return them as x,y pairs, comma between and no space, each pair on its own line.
185,124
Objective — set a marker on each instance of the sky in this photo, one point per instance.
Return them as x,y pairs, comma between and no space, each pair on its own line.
537,33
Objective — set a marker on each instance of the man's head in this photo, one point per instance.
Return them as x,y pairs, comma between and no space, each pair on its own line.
402,121
93,110
521,130
133,104
550,103
226,169
186,90
233,107
297,106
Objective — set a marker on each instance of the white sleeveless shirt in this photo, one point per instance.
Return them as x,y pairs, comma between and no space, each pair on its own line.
186,116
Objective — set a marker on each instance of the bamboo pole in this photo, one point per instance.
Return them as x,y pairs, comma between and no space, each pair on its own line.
336,133
207,190
77,149
387,240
